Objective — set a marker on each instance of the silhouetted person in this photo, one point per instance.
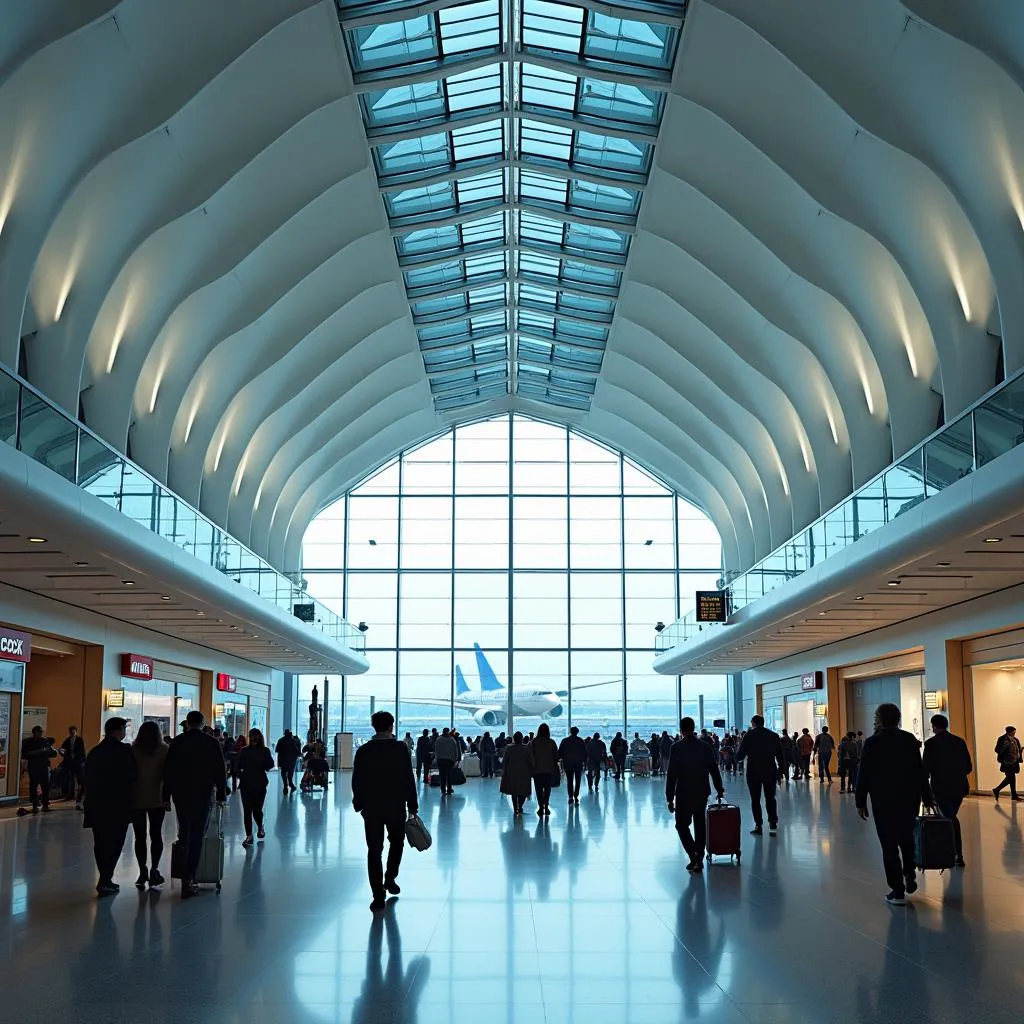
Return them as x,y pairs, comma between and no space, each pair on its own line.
692,768
545,764
619,750
193,777
73,765
383,790
110,774
572,752
804,749
517,773
424,755
254,761
947,764
596,754
1008,751
824,744
148,807
766,764
849,759
447,753
892,775
488,755
36,753
390,993
288,750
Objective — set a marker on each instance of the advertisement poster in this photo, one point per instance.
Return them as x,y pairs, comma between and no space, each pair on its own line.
5,731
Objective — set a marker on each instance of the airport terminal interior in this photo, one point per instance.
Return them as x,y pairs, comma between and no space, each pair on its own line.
502,364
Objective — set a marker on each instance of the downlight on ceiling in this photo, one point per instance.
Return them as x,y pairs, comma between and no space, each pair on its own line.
128,583
943,565
894,583
36,540
993,540
860,598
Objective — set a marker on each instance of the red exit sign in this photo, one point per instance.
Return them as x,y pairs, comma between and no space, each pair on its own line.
226,683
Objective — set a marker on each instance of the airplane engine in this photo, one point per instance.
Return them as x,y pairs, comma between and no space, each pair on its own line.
556,712
489,718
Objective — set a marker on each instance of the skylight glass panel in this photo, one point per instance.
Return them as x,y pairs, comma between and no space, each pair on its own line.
533,228
543,187
428,153
474,90
539,264
533,350
586,273
470,27
629,42
620,102
403,103
552,27
485,229
479,140
422,199
591,238
545,140
471,269
545,87
481,325
611,153
589,195
430,239
394,44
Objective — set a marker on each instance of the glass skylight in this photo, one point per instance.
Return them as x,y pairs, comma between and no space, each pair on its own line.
502,153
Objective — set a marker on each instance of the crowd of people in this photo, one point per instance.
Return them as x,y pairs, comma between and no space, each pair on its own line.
118,785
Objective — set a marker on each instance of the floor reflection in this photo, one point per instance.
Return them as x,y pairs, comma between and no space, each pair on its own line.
389,993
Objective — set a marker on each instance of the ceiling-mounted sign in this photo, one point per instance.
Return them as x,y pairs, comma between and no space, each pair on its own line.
136,666
711,606
15,645
226,683
812,681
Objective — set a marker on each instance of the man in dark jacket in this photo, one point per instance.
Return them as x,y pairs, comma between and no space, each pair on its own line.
892,775
762,750
424,755
619,750
691,769
288,750
36,753
488,754
383,788
193,775
947,764
572,752
110,772
597,752
73,765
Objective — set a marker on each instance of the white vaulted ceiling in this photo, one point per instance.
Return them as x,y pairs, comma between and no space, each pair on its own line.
195,255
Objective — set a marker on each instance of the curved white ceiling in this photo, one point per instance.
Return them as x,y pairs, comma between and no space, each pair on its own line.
828,258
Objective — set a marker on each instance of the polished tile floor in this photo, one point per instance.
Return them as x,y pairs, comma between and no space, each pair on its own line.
588,919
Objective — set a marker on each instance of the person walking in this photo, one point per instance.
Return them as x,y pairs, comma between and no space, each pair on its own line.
849,759
690,773
410,743
545,763
446,753
36,753
148,807
787,753
597,752
572,752
892,776
517,772
424,756
665,749
619,750
110,773
288,752
72,752
824,744
947,765
193,777
254,761
655,748
487,755
1008,751
765,765
804,749
383,790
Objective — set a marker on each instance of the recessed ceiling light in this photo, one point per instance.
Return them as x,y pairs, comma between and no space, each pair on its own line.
36,540
164,597
993,540
81,563
255,636
894,583
200,613
943,565
823,613
128,583
861,598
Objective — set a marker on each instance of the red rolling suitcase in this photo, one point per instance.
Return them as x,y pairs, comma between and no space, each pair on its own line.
723,826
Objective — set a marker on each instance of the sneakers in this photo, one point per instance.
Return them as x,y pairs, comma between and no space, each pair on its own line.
107,889
773,830
757,831
895,899
392,887
155,878
911,886
378,904
143,880
995,793
696,866
247,841
261,833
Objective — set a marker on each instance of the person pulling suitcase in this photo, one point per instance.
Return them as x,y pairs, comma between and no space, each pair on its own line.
691,771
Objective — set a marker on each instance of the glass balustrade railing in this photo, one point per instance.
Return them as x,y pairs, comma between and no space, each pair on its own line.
33,425
990,428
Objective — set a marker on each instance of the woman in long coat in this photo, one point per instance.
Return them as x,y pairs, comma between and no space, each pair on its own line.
517,773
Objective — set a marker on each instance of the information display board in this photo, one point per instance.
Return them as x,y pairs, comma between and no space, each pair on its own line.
712,606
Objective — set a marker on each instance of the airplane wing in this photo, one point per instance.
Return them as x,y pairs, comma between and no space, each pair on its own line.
586,686
458,702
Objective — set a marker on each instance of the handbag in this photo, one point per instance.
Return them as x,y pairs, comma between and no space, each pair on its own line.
417,833
556,777
457,777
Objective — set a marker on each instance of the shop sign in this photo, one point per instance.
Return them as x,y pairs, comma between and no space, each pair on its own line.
5,731
812,681
226,683
135,666
14,645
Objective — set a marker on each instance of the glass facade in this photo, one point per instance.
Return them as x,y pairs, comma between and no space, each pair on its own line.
512,147
510,571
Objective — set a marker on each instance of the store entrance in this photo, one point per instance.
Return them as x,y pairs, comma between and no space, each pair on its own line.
905,691
998,702
800,714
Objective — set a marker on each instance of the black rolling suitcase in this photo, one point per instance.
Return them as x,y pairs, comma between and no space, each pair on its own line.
934,843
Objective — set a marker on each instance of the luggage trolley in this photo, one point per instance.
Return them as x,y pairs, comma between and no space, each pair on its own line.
641,767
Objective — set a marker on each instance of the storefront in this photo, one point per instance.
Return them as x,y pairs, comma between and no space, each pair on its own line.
794,703
15,653
993,698
152,691
898,679
240,705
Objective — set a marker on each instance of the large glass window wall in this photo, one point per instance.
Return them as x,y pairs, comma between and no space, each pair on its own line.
512,571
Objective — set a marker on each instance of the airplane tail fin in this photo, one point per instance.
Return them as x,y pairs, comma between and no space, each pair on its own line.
488,680
460,681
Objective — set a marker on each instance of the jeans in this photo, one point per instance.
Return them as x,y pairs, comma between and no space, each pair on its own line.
594,775
288,777
542,781
154,817
848,774
444,770
825,766
757,784
107,844
375,826
487,766
253,799
620,766
1010,780
423,769
896,837
74,782
804,765
949,807
687,814
39,789
193,817
573,778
